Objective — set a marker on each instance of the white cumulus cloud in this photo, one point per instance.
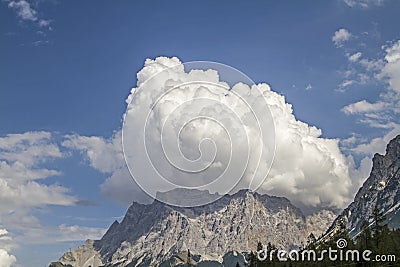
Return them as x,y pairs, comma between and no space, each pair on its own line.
363,106
378,145
342,35
383,113
24,164
385,69
4,236
6,260
103,155
21,158
106,156
308,169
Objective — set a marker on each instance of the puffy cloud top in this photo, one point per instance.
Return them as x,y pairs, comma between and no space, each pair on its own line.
307,168
6,260
341,36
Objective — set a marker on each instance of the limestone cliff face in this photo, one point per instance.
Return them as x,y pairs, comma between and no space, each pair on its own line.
83,256
150,234
381,189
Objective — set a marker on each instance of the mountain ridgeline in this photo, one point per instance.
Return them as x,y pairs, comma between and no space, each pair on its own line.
221,233
155,233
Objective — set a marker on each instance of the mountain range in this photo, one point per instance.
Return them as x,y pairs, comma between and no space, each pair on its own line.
154,233
220,233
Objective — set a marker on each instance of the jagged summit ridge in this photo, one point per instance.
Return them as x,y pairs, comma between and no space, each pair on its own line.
150,234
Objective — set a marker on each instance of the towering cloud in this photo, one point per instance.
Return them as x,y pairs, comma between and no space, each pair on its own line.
307,168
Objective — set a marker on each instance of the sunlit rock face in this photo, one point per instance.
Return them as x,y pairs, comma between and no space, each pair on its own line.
151,234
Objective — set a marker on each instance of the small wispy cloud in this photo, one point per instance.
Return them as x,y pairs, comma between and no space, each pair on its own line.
40,42
363,106
363,3
23,190
343,86
355,57
342,35
61,233
377,145
359,70
25,12
44,23
383,113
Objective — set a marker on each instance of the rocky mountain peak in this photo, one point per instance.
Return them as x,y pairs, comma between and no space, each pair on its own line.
154,233
393,148
383,162
381,189
158,233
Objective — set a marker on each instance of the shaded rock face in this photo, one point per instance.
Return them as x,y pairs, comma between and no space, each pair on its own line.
150,234
380,189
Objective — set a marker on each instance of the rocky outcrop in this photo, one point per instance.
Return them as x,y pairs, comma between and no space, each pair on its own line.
84,256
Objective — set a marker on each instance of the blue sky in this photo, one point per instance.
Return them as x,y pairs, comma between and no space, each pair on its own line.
67,67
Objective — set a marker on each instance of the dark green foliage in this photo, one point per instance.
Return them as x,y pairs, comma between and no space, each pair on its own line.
378,239
378,226
311,241
252,260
